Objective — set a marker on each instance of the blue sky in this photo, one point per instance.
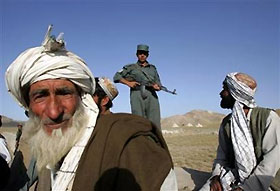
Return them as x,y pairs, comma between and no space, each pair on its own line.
193,44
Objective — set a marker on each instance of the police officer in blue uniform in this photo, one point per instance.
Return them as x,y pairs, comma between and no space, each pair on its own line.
143,80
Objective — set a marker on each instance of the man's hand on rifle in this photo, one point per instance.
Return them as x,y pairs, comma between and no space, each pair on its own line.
133,84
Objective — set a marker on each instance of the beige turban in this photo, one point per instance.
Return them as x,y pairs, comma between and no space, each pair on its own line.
49,61
108,86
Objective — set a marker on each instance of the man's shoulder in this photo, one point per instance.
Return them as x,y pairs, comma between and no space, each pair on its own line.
152,66
226,119
125,124
130,66
260,111
126,68
119,127
126,118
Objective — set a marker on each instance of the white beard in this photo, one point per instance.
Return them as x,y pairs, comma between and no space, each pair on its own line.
49,150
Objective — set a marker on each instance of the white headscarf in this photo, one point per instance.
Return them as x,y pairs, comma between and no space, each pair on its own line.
241,136
45,62
52,61
240,91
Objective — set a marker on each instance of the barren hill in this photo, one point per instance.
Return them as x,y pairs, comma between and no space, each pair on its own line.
8,122
194,118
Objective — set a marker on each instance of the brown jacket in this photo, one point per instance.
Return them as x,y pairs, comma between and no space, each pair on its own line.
125,152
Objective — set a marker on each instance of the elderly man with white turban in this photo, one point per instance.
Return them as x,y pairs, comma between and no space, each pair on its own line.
73,148
248,152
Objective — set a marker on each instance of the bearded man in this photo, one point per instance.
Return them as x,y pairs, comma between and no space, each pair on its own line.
72,149
143,80
249,137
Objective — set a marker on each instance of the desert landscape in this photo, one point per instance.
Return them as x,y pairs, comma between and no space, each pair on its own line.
192,139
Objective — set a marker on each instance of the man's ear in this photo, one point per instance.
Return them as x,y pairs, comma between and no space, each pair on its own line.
105,100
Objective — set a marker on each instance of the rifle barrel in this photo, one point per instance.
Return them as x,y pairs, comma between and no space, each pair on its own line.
167,90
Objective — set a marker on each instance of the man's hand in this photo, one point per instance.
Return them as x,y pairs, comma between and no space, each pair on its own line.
215,184
156,87
132,84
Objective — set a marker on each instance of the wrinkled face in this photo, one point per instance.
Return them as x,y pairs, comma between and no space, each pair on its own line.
142,55
227,101
54,101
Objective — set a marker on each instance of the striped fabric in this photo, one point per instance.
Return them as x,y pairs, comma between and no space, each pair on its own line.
242,142
241,136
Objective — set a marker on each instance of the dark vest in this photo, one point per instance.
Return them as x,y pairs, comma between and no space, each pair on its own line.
257,125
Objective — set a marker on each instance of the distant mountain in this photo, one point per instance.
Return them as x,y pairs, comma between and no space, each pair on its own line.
8,122
194,118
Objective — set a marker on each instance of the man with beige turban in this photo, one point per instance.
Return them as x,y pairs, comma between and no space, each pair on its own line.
249,137
105,93
73,148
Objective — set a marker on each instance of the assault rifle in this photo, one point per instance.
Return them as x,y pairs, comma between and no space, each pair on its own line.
150,84
163,88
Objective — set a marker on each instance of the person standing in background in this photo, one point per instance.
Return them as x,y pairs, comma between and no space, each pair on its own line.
143,80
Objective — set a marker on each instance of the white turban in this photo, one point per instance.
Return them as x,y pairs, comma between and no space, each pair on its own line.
240,91
52,61
46,62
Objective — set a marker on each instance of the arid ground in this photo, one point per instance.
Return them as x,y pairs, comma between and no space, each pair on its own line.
194,147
